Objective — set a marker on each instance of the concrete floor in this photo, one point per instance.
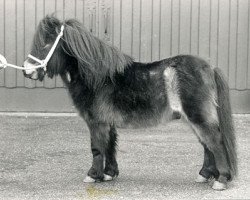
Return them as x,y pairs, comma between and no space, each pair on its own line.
44,157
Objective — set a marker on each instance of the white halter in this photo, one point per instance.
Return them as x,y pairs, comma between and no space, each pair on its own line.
43,63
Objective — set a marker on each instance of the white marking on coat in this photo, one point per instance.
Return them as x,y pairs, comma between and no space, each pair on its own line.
68,77
171,83
210,111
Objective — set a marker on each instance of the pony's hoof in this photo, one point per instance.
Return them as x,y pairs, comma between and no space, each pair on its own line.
219,186
201,179
107,177
88,179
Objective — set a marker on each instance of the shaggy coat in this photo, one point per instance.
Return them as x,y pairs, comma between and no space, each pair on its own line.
110,89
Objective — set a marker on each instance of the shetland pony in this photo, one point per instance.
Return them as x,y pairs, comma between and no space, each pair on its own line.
110,89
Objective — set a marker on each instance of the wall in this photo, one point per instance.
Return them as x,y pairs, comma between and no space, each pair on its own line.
148,30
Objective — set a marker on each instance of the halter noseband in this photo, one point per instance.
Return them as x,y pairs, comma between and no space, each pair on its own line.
43,63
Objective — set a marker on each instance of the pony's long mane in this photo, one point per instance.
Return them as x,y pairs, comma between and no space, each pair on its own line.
96,59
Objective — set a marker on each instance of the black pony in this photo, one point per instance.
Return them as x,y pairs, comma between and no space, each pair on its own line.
109,88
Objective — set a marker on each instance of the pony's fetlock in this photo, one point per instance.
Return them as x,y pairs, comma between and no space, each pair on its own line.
95,174
209,173
201,179
111,170
223,178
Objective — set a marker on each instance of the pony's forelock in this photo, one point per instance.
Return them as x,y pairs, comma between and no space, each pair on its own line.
49,26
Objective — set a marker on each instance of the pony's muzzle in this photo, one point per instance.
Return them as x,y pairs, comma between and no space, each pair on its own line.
28,72
32,75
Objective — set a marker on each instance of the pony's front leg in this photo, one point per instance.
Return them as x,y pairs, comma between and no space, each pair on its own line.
111,167
99,133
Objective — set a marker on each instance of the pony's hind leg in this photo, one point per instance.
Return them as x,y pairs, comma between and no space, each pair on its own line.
99,133
111,166
208,170
210,135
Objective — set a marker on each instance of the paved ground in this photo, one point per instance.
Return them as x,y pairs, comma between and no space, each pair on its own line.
48,157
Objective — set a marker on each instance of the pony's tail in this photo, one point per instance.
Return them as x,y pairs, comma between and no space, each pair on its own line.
225,121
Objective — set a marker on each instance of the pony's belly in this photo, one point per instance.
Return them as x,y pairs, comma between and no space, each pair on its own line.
139,120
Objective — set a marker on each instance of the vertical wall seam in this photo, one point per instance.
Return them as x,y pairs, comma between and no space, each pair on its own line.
4,40
43,8
171,28
113,28
83,11
75,9
121,25
159,57
198,42
229,43
24,36
97,12
179,27
36,26
16,41
56,84
35,13
63,9
43,83
218,24
132,27
54,12
248,17
140,31
151,50
191,21
237,32
210,25
56,8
